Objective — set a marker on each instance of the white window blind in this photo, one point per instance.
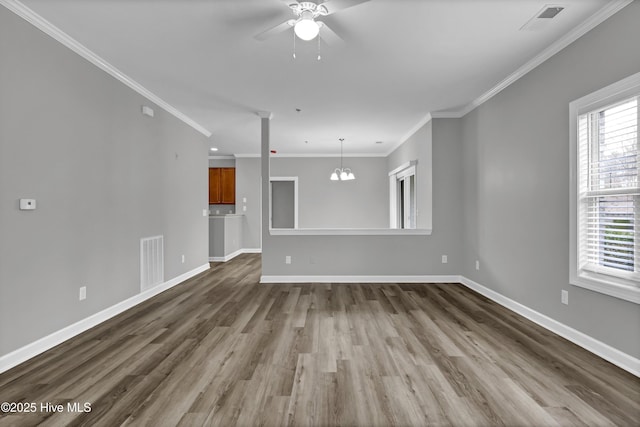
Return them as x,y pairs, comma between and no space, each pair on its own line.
609,191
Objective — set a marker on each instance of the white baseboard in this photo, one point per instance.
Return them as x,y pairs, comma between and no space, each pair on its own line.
252,250
613,355
360,279
25,353
235,254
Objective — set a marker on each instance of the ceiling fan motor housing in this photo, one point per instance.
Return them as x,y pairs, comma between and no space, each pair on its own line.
309,9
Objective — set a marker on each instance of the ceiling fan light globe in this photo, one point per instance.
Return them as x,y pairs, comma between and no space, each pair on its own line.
350,176
344,176
306,29
334,176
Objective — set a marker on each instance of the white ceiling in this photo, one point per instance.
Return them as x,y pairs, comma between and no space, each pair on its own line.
401,60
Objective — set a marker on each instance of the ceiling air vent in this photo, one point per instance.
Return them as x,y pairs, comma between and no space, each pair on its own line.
542,18
550,12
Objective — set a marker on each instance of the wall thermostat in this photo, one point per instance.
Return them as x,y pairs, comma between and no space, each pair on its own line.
147,111
27,204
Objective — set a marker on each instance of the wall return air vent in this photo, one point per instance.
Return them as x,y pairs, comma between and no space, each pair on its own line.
542,18
151,262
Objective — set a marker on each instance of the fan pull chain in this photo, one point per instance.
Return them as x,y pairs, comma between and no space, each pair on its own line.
294,44
319,57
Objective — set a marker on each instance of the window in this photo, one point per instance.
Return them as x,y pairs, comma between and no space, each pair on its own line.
606,192
403,196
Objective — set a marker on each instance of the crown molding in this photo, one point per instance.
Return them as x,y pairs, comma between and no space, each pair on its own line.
56,33
426,119
593,21
448,114
229,157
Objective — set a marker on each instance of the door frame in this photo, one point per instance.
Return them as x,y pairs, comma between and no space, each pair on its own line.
400,173
295,198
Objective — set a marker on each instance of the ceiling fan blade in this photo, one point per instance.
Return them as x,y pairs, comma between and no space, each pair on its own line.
275,30
334,6
247,21
329,36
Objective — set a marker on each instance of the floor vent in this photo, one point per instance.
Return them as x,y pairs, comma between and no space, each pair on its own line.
151,262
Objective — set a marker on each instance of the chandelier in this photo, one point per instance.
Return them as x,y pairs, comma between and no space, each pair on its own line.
342,173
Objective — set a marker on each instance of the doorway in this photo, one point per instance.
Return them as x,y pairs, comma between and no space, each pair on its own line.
284,202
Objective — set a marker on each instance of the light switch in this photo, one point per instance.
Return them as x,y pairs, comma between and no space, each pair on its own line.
27,204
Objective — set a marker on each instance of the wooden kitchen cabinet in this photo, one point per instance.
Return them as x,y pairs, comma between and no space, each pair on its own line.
222,186
214,186
228,186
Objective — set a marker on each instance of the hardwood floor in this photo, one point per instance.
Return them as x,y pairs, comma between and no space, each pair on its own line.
223,350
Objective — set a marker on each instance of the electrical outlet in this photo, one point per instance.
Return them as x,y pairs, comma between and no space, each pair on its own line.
244,200
205,212
564,297
183,259
477,265
244,209
217,211
83,293
287,259
444,259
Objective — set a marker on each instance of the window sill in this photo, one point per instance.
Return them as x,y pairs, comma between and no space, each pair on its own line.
349,232
608,286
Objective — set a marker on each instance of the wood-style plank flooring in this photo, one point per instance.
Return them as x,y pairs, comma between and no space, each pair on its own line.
223,350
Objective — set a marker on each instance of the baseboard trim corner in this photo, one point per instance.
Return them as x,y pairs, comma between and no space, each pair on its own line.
252,250
605,351
235,254
43,344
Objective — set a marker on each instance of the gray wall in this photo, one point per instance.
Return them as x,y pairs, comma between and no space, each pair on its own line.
216,237
248,186
360,203
225,235
388,255
222,163
516,186
232,234
222,209
104,176
283,204
418,147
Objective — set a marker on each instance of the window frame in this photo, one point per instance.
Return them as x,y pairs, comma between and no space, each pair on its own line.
626,288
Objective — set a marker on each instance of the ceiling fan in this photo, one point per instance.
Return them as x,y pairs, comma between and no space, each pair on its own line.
305,25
